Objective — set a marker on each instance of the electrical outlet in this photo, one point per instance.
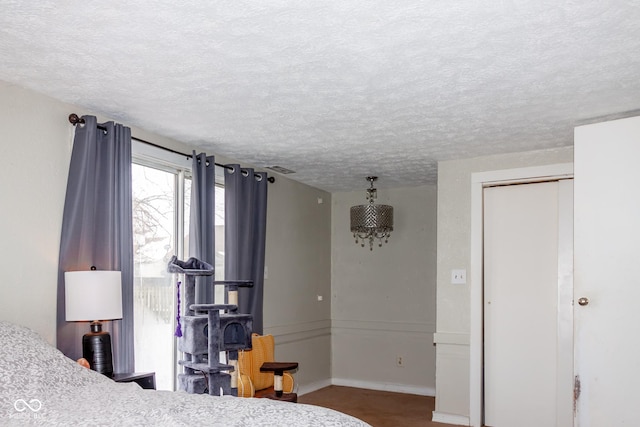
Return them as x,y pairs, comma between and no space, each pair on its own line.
400,361
458,277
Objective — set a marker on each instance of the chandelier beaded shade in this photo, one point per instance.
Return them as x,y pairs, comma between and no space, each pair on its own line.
370,222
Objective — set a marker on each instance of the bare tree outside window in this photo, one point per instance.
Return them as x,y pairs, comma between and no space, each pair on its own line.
154,222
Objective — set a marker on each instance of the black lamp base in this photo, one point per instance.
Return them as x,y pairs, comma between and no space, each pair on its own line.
96,348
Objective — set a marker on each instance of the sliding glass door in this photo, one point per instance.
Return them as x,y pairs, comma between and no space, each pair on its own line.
161,201
160,218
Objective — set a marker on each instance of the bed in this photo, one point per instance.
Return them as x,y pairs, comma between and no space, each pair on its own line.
41,386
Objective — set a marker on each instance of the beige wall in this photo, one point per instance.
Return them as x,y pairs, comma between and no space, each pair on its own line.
298,270
35,149
383,301
454,228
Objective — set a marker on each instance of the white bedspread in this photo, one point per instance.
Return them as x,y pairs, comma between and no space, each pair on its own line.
40,386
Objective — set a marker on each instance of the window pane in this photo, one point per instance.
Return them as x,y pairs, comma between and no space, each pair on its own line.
219,260
187,216
154,240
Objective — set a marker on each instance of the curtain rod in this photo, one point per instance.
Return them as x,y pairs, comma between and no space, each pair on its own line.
74,120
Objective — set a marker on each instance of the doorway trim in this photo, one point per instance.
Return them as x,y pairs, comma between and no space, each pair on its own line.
479,181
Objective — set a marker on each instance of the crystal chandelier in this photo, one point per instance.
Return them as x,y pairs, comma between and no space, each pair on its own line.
371,221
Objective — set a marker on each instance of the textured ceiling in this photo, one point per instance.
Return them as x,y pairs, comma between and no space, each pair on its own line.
335,90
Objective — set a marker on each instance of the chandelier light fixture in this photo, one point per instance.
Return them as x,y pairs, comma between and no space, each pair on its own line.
371,221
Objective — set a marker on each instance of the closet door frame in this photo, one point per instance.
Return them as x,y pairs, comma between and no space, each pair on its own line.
479,181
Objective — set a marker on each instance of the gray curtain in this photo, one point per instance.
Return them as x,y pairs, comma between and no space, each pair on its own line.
245,236
97,230
202,231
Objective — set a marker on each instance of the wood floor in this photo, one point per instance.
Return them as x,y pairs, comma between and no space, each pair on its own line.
378,408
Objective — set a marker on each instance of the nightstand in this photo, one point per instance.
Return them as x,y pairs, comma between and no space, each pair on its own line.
145,380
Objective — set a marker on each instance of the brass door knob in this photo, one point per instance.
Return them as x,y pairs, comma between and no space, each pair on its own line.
583,301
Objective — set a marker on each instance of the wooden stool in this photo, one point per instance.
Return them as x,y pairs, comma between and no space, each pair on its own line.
286,397
278,369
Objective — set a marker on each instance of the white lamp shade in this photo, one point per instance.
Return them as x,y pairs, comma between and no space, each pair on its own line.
93,295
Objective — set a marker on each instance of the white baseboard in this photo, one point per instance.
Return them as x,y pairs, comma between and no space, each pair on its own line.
396,388
308,388
441,417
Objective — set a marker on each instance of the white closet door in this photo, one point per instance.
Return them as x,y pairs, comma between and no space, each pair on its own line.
527,340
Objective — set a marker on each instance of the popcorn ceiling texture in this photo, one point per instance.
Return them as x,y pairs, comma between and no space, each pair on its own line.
335,90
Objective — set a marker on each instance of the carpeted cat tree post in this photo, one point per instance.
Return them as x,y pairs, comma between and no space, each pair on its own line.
205,330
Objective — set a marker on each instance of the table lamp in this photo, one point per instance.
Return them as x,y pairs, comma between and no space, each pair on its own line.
94,296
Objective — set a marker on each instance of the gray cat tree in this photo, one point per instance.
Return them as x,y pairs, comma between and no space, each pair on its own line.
208,329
